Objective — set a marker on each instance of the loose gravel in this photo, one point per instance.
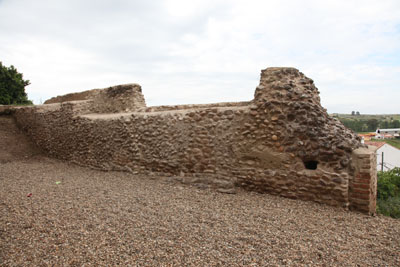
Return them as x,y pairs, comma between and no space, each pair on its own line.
82,217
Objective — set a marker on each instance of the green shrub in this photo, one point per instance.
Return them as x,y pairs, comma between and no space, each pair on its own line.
389,193
389,207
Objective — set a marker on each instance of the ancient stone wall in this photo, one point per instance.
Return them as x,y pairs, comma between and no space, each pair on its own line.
282,142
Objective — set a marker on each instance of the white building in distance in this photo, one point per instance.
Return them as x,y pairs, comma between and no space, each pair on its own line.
387,133
389,154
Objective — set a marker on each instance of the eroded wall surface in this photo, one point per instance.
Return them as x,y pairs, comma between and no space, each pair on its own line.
282,142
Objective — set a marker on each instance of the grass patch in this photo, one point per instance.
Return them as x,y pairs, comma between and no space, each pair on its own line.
395,143
389,207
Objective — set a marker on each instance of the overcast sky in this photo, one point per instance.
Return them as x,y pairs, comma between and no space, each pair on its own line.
200,51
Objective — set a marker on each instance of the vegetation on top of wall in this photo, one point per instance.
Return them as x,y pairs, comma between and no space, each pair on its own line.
388,200
12,87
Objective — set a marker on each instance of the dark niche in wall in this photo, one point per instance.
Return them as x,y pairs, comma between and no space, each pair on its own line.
310,164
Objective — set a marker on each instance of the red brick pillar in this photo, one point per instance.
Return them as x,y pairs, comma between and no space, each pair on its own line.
362,188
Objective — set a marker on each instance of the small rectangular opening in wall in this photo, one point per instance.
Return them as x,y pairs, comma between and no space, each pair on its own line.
311,164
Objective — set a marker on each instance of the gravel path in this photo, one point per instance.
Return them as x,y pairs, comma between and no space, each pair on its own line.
78,216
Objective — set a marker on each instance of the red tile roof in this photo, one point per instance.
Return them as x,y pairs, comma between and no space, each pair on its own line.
377,144
367,134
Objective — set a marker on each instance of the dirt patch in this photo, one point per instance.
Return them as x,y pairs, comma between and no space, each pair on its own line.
14,145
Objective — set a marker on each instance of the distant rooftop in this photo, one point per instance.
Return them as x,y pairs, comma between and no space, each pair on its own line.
390,130
377,144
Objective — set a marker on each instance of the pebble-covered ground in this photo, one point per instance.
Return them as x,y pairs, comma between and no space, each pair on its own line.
82,217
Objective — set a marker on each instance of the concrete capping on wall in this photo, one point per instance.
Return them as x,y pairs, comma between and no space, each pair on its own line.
282,142
363,185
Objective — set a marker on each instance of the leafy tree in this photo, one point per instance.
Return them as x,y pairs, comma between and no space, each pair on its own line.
395,124
365,127
384,124
388,198
372,124
12,86
389,183
353,113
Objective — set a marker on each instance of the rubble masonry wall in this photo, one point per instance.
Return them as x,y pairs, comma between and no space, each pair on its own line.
281,142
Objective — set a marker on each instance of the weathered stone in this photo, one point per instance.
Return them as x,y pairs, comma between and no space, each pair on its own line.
337,180
227,190
344,162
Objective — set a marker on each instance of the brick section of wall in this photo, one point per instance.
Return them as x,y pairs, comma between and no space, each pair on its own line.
264,145
363,186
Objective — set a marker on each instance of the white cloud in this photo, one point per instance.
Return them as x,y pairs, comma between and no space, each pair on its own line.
206,51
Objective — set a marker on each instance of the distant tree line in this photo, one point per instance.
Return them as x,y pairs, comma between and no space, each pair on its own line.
369,125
